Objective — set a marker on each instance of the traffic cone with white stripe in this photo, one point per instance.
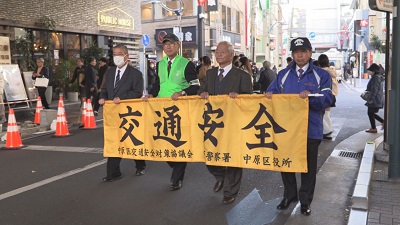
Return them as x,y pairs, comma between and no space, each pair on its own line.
39,108
61,126
83,117
90,122
13,136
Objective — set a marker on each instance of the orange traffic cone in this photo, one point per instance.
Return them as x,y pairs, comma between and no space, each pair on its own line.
61,126
90,122
61,99
83,118
39,108
13,136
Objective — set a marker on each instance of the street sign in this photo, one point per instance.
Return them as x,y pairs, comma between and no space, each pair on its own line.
381,5
312,35
145,40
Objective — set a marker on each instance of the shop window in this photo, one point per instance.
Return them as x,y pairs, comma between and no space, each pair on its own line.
73,45
223,17
228,19
87,41
57,41
238,22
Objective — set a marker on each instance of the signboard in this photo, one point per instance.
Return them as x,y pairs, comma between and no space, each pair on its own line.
364,23
145,40
5,50
381,5
116,18
30,88
312,35
14,88
189,35
212,6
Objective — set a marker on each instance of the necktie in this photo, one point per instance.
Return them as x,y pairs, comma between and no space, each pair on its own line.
221,75
117,79
169,66
301,71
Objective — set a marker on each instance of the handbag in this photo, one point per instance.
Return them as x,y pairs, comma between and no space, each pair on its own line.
41,82
365,95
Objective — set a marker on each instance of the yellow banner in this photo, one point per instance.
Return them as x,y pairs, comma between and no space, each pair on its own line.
249,131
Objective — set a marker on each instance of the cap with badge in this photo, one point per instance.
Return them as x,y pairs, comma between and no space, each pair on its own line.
171,38
300,43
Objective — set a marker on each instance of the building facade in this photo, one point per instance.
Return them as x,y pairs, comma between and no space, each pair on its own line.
221,20
71,26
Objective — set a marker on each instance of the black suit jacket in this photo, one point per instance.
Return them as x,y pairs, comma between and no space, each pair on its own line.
237,81
44,73
130,86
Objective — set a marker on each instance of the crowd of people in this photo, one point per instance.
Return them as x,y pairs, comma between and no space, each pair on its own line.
231,75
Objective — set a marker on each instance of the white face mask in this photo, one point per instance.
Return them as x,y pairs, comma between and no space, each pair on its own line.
119,60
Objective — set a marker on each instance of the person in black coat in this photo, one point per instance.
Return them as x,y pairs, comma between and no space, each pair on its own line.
122,82
375,99
103,66
266,77
41,72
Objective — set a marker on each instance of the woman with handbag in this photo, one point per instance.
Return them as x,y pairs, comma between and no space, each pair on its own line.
375,98
41,72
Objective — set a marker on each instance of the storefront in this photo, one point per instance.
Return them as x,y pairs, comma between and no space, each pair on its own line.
61,30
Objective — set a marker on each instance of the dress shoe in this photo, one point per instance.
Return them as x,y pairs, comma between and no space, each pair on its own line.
177,186
111,179
140,172
286,202
372,130
305,209
228,200
218,186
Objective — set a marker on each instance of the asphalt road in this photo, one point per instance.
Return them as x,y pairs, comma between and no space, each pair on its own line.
58,181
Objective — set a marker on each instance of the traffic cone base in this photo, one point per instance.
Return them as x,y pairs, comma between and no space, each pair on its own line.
90,122
13,141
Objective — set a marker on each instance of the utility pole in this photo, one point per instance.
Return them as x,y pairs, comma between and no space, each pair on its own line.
253,28
394,97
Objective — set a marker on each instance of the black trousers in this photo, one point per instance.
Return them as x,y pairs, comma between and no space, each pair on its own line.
113,169
372,115
42,94
178,171
96,104
231,176
308,180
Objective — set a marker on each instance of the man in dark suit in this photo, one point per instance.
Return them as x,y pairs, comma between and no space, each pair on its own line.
176,76
41,72
226,79
122,82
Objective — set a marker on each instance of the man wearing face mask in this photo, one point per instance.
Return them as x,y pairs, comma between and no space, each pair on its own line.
122,82
176,76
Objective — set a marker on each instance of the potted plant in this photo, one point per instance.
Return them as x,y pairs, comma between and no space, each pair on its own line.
61,76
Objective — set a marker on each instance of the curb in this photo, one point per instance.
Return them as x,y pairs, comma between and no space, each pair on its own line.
360,199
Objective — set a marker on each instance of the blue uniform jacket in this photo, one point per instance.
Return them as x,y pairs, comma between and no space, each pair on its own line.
308,81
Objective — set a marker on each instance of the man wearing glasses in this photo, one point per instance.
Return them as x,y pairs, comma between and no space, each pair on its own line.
176,76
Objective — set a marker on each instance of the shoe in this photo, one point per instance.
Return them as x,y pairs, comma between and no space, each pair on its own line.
175,187
111,179
228,200
140,172
372,130
218,186
286,202
305,209
327,137
95,113
81,125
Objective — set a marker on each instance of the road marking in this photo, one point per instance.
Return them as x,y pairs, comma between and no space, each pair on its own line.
50,180
64,149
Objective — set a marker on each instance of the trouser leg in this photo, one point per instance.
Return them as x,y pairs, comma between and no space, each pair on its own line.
113,169
289,185
140,164
371,116
178,171
42,94
233,179
308,180
218,172
327,121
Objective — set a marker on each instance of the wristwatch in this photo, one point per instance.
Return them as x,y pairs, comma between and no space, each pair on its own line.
184,93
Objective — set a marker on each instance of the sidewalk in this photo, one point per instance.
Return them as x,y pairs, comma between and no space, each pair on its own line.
384,195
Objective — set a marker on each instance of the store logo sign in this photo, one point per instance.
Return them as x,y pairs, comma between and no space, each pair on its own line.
116,18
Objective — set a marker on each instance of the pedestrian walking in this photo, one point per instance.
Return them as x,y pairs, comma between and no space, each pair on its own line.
122,82
226,79
375,99
266,76
304,78
176,76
